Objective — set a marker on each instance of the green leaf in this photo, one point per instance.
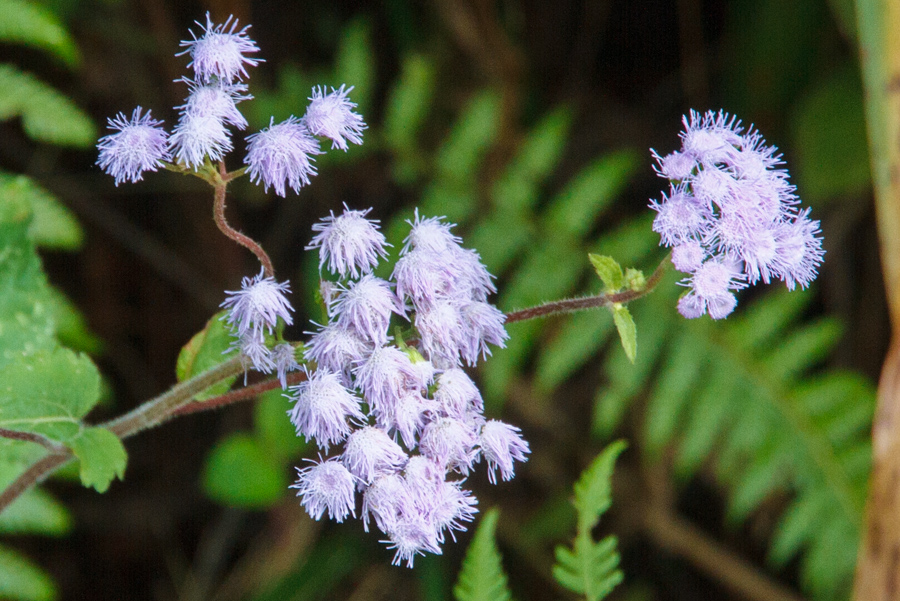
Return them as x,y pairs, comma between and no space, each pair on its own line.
355,62
409,103
71,327
574,211
48,393
609,271
591,568
240,472
472,135
580,337
30,24
482,577
35,511
52,224
627,330
829,135
274,428
47,115
209,347
102,457
22,580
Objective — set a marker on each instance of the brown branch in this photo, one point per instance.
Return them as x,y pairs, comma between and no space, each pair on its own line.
235,396
33,437
680,537
219,217
589,302
36,473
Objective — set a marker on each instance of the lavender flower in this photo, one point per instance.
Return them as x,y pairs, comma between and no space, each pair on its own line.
219,52
349,243
501,444
365,307
331,115
216,100
386,499
336,348
451,443
284,360
731,216
386,375
258,305
370,452
138,145
457,394
327,485
281,155
197,137
323,407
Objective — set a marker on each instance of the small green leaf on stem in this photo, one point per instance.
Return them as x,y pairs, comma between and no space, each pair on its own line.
102,457
208,348
609,271
627,330
635,279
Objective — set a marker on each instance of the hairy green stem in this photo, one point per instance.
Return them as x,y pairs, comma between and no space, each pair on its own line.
589,302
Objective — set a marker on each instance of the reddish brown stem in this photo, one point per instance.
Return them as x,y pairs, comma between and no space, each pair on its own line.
222,223
32,437
589,302
39,470
236,396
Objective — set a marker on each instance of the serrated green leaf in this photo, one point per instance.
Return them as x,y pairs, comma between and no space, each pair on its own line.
209,347
593,491
21,580
591,568
102,457
47,115
627,331
482,577
35,511
240,472
609,271
574,211
802,349
30,24
48,393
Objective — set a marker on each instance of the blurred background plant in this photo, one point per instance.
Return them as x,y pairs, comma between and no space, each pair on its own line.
528,125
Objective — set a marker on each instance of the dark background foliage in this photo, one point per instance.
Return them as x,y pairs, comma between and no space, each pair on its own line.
153,266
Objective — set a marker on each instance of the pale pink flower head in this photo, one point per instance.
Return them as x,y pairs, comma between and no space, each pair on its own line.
370,452
323,409
502,444
257,306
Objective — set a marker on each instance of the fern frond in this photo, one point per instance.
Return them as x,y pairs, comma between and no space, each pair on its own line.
47,115
591,567
482,577
29,24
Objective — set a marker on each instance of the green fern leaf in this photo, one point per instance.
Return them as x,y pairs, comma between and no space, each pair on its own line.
52,224
47,115
30,24
591,568
482,577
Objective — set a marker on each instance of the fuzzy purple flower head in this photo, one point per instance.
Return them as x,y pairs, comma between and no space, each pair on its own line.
138,145
219,52
731,216
422,431
331,116
282,155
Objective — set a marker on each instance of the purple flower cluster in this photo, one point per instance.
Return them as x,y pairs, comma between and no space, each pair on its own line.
279,156
253,312
731,217
407,414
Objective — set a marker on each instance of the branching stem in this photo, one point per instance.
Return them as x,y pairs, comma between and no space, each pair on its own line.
589,302
220,185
